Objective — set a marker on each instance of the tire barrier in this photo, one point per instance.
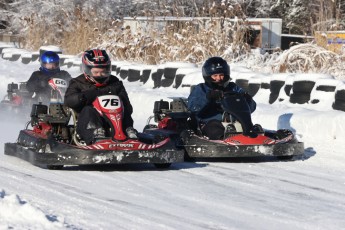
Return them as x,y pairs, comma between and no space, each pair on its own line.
275,87
118,70
7,53
157,77
13,54
121,69
286,87
65,59
123,73
299,98
170,72
26,60
254,85
302,86
243,83
182,72
262,95
301,91
339,102
15,57
168,76
68,62
5,46
339,105
145,75
323,92
253,88
192,78
35,57
178,80
133,75
265,85
326,88
113,67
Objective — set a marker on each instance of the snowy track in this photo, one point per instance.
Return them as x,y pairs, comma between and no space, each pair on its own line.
203,195
307,193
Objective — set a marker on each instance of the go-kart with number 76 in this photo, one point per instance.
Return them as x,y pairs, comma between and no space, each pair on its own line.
52,142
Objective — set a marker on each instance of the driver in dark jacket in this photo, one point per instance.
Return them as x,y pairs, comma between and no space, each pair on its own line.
204,100
84,89
50,68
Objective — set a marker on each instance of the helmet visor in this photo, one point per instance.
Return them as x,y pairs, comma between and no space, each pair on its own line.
50,66
97,71
100,72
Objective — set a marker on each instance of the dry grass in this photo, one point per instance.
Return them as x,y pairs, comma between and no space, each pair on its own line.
74,34
187,41
303,58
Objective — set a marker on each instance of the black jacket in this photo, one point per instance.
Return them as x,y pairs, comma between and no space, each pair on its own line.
82,92
38,82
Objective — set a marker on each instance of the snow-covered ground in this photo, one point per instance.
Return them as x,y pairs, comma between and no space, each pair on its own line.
306,193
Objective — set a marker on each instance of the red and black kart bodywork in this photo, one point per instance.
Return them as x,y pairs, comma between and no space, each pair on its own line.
175,118
17,100
52,143
46,151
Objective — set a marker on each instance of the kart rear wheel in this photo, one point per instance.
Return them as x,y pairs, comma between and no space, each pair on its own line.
162,166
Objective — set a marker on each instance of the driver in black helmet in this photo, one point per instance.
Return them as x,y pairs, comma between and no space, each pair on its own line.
83,90
204,100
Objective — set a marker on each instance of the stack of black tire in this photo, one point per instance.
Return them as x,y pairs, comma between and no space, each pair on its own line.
157,77
275,87
133,74
168,76
243,83
339,102
325,88
253,87
301,91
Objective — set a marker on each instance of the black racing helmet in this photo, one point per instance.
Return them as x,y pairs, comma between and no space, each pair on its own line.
215,65
96,58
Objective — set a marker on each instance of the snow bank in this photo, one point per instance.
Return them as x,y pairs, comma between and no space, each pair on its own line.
16,213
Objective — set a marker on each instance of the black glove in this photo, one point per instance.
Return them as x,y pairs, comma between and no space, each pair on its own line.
247,96
215,95
90,95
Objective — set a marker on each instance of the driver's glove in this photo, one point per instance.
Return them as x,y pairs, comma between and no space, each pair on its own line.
215,95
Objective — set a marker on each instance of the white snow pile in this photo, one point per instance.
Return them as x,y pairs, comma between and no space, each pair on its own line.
16,213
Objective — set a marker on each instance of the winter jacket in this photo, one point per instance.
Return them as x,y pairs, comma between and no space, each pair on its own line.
205,109
38,82
82,92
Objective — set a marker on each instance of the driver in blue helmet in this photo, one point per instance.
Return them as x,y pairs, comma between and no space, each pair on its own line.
204,99
50,68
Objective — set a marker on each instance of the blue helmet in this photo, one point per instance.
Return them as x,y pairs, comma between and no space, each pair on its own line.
50,62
